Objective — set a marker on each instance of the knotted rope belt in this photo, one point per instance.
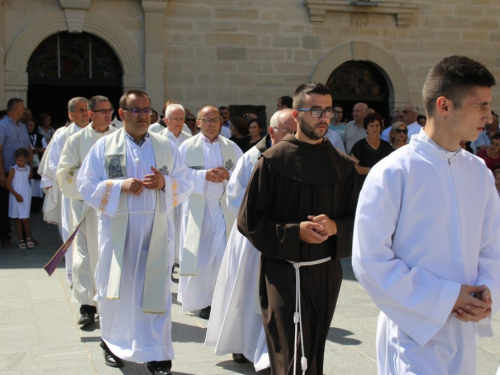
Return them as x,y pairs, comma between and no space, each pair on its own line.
297,315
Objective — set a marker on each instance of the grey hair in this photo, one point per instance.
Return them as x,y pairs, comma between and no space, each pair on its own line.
72,102
171,107
91,104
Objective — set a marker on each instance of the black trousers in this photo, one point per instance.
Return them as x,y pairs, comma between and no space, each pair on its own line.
5,228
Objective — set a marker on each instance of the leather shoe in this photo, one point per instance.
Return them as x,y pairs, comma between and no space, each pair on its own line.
87,316
159,368
239,358
110,359
205,313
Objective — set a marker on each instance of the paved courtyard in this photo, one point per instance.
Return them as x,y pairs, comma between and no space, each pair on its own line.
39,334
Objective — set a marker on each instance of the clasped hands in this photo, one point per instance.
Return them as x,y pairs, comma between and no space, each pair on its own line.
317,229
151,181
473,303
217,174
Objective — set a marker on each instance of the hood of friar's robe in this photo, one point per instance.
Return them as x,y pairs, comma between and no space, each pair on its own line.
315,164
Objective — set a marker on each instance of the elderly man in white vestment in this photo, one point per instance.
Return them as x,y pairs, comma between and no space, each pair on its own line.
205,218
235,324
426,240
85,248
174,119
55,205
135,178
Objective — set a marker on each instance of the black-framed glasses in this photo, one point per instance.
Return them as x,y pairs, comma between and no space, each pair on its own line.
104,111
318,112
399,131
286,130
139,111
208,121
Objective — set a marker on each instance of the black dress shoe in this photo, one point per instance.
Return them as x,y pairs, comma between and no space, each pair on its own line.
159,368
110,359
205,313
239,358
87,316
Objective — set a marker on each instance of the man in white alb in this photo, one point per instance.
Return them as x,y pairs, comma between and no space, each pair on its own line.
205,218
85,247
135,178
426,239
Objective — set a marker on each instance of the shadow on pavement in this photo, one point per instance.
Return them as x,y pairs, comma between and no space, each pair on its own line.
339,336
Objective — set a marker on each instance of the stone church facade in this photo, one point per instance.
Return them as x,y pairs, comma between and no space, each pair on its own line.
252,52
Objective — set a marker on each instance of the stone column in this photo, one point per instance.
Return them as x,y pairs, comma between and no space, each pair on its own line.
3,100
153,50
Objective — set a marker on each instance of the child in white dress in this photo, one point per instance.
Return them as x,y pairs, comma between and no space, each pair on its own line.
18,184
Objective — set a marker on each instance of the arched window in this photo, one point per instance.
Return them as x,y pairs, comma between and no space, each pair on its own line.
357,81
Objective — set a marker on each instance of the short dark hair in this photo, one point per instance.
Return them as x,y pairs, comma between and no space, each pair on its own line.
370,118
21,152
123,100
496,135
12,103
306,89
286,101
256,121
454,77
43,116
240,124
421,117
337,105
94,100
222,107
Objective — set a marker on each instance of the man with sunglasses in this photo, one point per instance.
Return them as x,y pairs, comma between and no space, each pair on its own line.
135,178
410,113
85,247
298,212
206,221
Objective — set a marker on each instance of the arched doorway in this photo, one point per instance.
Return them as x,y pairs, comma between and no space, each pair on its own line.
359,81
66,65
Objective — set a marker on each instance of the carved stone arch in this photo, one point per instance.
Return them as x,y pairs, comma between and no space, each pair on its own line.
17,56
399,93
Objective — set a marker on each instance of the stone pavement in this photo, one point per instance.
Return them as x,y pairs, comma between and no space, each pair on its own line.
39,334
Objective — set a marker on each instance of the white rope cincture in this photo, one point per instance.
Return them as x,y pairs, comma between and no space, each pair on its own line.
297,315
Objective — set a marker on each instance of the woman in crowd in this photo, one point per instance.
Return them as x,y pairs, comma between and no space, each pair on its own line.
154,117
369,151
239,133
39,145
45,129
491,155
398,136
191,123
254,129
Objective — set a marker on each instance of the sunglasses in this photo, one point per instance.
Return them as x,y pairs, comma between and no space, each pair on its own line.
399,131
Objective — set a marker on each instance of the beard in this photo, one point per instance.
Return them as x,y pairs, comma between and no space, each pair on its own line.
308,129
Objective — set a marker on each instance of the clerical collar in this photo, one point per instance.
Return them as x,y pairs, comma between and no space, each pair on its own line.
97,131
140,142
207,140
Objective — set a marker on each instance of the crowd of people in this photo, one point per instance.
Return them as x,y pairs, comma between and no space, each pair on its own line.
245,211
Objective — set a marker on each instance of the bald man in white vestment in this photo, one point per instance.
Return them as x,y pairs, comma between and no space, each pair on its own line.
135,178
55,205
426,239
235,324
206,221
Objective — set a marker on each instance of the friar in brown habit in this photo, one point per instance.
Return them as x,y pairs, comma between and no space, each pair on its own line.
298,211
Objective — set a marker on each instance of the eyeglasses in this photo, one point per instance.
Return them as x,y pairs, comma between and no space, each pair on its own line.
399,131
190,120
286,130
104,111
176,118
318,112
404,112
209,121
139,111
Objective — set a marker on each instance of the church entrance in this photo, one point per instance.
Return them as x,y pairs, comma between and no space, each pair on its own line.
66,65
358,81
